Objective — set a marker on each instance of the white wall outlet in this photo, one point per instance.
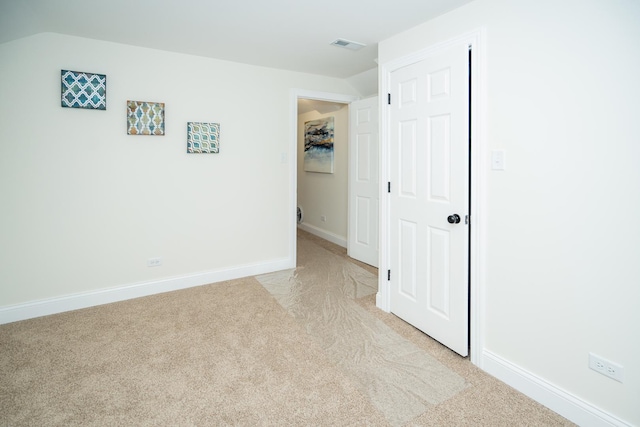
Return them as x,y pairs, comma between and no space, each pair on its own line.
154,262
323,218
606,367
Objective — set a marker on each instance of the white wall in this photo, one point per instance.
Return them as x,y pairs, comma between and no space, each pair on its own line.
563,237
84,205
366,83
321,194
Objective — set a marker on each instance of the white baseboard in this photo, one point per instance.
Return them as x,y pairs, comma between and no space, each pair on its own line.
558,400
49,306
326,235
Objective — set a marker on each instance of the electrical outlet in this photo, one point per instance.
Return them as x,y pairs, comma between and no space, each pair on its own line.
154,262
323,218
606,367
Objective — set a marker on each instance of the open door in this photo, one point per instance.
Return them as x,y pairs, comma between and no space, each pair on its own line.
363,230
429,195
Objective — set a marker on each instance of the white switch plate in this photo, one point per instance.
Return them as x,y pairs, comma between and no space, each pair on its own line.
498,160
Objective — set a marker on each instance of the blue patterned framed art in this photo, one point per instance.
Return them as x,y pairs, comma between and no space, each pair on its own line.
84,90
203,137
145,118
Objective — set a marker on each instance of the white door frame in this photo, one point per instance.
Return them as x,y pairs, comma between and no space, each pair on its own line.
296,94
478,162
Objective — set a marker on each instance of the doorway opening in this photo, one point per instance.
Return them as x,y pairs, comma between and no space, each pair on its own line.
322,180
309,97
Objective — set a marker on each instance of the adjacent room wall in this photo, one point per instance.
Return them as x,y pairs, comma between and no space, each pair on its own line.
366,83
322,194
84,205
562,236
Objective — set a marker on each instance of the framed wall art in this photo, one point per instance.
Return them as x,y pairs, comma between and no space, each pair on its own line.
83,90
203,137
145,118
318,145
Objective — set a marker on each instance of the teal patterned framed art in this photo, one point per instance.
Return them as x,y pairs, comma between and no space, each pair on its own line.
203,137
83,90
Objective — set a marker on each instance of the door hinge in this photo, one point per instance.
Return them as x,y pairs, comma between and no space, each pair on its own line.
389,187
389,98
389,275
466,219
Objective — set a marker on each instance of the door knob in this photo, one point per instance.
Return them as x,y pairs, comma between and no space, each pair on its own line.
453,219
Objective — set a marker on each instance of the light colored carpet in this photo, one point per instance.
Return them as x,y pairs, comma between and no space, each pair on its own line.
486,402
401,380
230,354
223,354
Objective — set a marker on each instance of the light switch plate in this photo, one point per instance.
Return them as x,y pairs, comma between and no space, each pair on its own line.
498,160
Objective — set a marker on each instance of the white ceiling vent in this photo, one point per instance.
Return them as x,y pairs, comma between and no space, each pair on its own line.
348,44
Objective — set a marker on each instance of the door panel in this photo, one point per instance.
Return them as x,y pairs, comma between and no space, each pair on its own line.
429,161
362,241
439,174
408,238
438,280
363,226
408,161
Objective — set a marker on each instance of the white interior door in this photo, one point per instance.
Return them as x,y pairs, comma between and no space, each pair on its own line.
362,241
429,184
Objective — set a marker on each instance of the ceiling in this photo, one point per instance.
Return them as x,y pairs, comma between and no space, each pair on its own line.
287,34
321,107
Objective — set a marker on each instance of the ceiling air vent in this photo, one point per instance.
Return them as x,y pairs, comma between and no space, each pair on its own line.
348,44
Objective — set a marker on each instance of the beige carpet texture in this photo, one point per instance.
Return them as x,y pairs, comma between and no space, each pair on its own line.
304,347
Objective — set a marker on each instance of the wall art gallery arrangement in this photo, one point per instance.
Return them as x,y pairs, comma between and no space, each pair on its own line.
89,91
318,145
